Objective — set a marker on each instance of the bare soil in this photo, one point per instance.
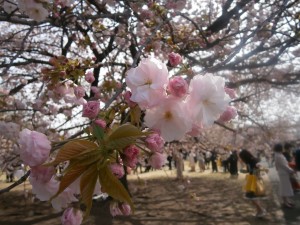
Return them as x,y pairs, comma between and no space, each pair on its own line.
201,198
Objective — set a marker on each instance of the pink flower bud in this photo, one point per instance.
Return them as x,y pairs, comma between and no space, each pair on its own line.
79,92
95,90
178,87
71,216
53,61
157,160
101,123
228,114
130,156
155,142
230,92
127,96
61,90
91,109
196,130
89,77
174,59
146,14
34,147
117,169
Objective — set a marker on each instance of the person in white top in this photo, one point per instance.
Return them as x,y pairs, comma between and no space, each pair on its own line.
284,172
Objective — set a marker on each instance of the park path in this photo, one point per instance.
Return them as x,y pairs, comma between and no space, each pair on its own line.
201,199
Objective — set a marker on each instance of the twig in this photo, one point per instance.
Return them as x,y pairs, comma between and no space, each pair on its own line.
18,182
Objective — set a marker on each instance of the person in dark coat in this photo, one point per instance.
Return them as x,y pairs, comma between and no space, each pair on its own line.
233,163
297,159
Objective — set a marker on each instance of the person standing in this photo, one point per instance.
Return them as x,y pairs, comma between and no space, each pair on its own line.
170,159
253,168
233,163
207,159
201,161
284,172
213,160
192,156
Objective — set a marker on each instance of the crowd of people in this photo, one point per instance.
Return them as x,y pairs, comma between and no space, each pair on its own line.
284,157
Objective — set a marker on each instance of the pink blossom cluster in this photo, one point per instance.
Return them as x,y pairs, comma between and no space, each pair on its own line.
34,151
130,156
173,107
156,143
69,92
117,169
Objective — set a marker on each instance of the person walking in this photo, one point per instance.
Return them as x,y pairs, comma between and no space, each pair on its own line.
284,172
253,169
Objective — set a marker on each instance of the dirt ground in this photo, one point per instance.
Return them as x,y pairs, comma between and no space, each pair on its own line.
202,198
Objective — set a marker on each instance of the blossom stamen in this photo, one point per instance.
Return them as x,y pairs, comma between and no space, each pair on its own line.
168,115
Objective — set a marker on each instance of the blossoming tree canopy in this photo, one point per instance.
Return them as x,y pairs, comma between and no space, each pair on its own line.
98,157
91,85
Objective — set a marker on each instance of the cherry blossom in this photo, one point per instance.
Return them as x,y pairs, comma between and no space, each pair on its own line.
89,76
155,142
228,114
44,191
117,169
101,123
207,99
33,9
157,160
130,156
34,147
91,109
174,59
147,82
42,173
169,118
231,92
178,87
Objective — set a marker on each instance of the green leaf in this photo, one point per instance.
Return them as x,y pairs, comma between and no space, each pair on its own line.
71,150
125,130
123,136
72,173
98,132
135,115
121,142
87,158
113,187
87,186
